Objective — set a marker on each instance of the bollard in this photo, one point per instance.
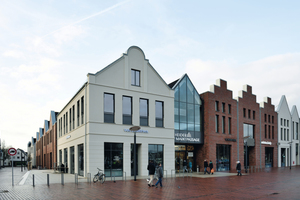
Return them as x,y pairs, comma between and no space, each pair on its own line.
166,173
123,176
174,173
62,178
89,179
76,178
197,168
48,179
33,179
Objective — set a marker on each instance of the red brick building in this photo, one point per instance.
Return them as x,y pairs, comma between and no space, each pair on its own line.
46,146
231,125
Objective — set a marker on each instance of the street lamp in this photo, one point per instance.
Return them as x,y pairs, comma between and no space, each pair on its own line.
134,129
290,154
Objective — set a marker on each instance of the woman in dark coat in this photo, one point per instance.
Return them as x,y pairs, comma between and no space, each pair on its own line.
211,166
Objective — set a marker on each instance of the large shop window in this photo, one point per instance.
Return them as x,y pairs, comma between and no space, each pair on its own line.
113,159
223,157
127,110
80,160
156,153
109,108
72,160
249,130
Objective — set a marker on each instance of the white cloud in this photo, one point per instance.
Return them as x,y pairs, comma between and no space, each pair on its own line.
67,34
13,54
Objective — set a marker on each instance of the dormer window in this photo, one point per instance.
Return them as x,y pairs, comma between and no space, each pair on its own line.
135,77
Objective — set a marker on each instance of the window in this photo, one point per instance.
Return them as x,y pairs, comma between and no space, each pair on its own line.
127,110
70,112
288,134
223,124
229,125
73,116
144,112
265,117
249,130
229,108
82,109
217,123
223,107
159,113
249,114
244,112
135,77
293,130
297,125
284,134
281,121
269,132
284,122
66,122
156,153
287,123
217,106
272,119
269,119
109,108
265,131
253,114
78,112
281,134
272,132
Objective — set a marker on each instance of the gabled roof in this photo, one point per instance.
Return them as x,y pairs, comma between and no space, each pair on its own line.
282,103
174,84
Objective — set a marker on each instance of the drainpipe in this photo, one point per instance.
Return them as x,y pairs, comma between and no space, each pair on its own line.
85,157
260,136
238,135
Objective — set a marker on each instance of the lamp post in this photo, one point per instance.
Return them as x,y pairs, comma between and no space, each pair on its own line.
134,129
290,154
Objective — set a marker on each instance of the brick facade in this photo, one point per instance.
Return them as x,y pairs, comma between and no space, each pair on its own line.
219,106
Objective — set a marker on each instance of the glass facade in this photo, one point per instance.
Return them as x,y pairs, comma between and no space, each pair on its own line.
113,159
187,117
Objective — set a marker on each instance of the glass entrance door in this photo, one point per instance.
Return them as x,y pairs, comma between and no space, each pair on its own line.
223,157
269,157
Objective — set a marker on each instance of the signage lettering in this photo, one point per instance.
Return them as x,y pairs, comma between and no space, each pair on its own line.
230,139
139,131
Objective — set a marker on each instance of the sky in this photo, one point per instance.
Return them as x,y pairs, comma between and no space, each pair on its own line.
47,48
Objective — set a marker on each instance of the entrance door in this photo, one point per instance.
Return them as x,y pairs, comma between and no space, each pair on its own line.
180,156
269,156
132,160
283,157
223,157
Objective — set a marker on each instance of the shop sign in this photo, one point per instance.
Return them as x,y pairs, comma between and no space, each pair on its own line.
185,137
190,154
265,142
139,131
230,139
68,136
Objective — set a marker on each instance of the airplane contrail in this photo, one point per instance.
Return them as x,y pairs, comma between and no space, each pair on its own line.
99,13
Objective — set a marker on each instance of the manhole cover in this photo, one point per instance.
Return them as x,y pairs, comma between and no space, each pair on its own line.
3,191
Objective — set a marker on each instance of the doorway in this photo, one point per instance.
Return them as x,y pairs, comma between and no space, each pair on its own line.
283,154
269,157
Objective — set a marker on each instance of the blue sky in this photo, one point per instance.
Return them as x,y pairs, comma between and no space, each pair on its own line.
48,47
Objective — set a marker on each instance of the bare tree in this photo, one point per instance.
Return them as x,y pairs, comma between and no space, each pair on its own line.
4,151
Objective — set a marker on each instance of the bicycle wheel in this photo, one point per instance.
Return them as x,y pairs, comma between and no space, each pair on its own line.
102,178
95,178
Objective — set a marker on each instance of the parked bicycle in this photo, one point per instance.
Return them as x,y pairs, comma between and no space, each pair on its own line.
100,176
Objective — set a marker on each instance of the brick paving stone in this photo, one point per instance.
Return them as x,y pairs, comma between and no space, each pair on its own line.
276,183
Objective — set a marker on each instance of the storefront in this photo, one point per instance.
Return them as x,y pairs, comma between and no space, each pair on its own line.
223,157
184,153
269,156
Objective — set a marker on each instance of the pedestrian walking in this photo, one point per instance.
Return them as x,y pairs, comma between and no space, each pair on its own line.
191,166
185,166
159,174
211,166
151,169
238,168
205,167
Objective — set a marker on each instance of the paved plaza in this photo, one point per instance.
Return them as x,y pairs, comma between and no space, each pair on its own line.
277,183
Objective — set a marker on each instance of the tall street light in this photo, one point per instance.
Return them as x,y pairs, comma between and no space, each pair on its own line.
134,129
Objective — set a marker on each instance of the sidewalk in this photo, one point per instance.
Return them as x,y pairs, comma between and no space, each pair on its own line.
276,183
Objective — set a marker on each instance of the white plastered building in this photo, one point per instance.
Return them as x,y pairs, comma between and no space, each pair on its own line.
93,128
288,139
